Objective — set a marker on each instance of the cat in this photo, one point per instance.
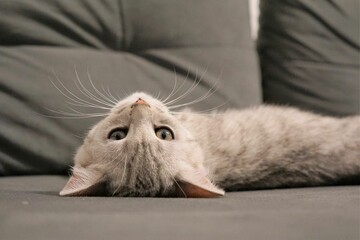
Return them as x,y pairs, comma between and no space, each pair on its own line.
142,149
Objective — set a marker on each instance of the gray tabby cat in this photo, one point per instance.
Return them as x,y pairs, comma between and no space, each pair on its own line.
142,149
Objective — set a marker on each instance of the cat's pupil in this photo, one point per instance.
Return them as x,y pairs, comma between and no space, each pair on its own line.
163,135
118,136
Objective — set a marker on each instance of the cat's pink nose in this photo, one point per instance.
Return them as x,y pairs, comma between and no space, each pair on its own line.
140,101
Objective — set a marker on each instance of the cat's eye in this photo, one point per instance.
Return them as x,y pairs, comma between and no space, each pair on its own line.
164,133
117,134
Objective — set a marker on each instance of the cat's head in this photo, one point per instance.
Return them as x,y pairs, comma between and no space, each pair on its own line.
140,149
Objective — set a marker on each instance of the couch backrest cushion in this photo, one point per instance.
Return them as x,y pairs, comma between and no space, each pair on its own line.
124,45
310,54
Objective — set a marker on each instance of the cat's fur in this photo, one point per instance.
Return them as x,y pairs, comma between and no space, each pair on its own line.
261,147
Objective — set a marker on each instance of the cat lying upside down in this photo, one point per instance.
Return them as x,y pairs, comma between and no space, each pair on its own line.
141,149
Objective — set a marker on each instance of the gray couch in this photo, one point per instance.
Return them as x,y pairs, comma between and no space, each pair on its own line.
308,57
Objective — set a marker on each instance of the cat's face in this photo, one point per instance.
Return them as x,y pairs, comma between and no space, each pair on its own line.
140,149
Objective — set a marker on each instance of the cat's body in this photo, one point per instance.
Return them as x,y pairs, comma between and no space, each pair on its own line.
142,149
270,146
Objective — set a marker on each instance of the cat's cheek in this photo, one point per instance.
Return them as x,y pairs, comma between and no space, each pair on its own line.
192,154
82,157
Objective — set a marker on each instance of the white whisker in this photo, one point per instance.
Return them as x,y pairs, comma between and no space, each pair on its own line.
72,117
213,108
173,89
210,92
209,111
178,89
77,136
182,190
87,105
125,93
105,98
87,93
122,178
193,86
108,92
74,114
72,96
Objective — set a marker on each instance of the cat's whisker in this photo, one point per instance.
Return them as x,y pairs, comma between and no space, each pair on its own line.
77,136
193,87
108,92
114,159
171,176
173,89
111,166
78,112
182,84
73,114
210,92
104,97
123,175
182,190
158,95
87,93
72,117
124,93
213,108
72,96
87,105
122,178
74,100
209,111
177,90
185,94
84,91
190,90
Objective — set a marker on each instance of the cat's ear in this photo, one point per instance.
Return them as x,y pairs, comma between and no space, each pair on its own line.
196,185
84,182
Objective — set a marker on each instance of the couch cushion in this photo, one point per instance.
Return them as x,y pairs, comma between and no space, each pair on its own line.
31,209
310,54
125,46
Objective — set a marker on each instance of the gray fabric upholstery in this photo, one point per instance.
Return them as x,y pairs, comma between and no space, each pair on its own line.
124,45
30,209
310,54
132,45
